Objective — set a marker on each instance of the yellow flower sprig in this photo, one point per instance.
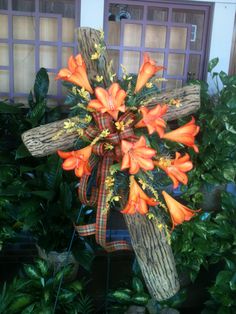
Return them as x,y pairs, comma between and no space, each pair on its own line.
175,102
161,226
103,134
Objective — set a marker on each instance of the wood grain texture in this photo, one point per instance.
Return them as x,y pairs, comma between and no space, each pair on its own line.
87,38
154,256
39,141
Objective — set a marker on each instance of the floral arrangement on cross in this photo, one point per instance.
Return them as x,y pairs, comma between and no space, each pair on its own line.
124,147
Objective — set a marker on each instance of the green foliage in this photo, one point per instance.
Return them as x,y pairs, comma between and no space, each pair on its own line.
36,292
209,241
35,195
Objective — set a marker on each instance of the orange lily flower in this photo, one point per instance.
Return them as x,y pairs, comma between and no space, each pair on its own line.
147,70
178,212
76,73
111,100
138,200
152,119
77,160
184,134
176,168
137,155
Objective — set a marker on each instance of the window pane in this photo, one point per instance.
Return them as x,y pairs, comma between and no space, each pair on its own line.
66,53
48,29
24,68
159,58
178,37
114,55
4,26
131,61
175,64
113,33
48,57
23,5
3,4
4,53
118,12
4,79
194,67
68,30
172,84
157,14
62,7
155,36
23,27
192,17
52,84
132,35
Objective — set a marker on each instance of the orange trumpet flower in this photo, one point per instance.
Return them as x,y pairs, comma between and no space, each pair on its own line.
137,155
138,200
76,73
152,119
77,160
111,100
176,168
178,212
184,134
147,70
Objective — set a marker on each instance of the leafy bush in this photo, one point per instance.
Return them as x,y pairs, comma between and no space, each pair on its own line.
37,292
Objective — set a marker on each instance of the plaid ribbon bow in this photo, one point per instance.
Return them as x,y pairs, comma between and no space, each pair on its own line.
104,161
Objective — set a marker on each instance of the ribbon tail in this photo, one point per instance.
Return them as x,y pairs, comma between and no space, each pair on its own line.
101,219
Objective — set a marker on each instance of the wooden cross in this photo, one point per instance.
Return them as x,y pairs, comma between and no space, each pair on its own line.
153,253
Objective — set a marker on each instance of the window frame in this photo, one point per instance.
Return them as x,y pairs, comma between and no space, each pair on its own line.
204,53
37,43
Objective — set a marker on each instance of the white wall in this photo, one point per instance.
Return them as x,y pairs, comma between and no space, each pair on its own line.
222,33
92,14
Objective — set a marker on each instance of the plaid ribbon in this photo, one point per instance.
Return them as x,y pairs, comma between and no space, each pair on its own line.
106,158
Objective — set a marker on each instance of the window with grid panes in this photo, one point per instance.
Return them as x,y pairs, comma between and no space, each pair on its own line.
35,34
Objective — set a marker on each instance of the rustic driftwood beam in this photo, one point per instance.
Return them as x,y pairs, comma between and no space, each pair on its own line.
87,38
154,256
153,253
40,141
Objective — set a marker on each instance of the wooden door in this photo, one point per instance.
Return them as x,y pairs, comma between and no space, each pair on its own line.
174,35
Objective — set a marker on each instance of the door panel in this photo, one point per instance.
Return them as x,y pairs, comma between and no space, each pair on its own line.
132,35
178,37
173,34
155,36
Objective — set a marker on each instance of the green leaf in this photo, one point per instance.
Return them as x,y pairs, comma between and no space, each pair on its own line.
41,85
229,173
137,285
36,114
42,266
223,277
6,173
66,296
232,282
22,152
7,108
84,257
31,272
121,296
21,300
212,64
140,298
224,77
76,286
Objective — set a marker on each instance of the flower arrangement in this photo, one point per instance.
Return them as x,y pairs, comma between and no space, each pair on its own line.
122,148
